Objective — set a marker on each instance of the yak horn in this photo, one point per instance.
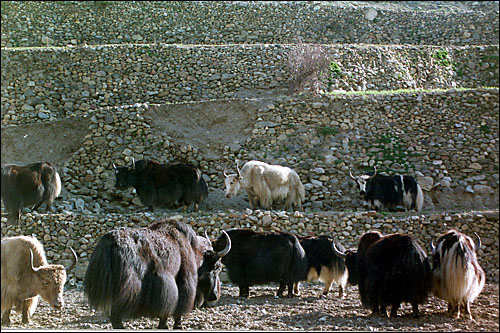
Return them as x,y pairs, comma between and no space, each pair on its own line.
73,264
31,262
208,238
225,174
350,174
238,169
433,247
337,252
114,166
227,248
478,245
133,163
374,173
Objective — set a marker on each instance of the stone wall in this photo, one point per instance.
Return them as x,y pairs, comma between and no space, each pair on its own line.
59,23
46,84
58,232
449,140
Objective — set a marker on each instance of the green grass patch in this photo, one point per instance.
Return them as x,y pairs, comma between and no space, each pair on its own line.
400,91
490,57
325,130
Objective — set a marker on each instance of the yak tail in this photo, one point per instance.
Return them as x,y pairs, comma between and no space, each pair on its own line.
302,192
52,186
300,265
417,276
109,281
419,201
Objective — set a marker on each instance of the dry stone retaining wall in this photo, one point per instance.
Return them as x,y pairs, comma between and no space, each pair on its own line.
448,140
59,23
45,84
58,232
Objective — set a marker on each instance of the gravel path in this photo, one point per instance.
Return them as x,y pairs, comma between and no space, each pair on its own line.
262,311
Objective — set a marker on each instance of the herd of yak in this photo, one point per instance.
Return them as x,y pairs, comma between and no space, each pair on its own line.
166,270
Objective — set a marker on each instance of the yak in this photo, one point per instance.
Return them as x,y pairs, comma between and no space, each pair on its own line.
160,271
381,191
263,257
26,275
23,186
323,263
266,184
169,185
389,270
457,276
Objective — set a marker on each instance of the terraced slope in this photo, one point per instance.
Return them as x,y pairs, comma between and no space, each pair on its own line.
87,84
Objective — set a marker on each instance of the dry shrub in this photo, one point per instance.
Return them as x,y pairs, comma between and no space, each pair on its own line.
307,62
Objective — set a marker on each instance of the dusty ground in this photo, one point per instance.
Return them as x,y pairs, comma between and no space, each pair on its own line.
262,311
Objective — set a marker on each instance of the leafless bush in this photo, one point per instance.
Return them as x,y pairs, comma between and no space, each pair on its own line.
307,62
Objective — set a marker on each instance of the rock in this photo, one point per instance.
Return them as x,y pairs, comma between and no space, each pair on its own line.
426,183
27,108
80,270
370,14
483,189
43,115
475,166
79,204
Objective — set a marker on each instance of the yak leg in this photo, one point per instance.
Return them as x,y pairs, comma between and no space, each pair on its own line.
296,290
147,193
466,305
253,200
328,284
266,202
28,307
13,207
416,313
6,317
341,291
244,291
454,308
177,324
395,307
116,320
281,289
163,324
290,289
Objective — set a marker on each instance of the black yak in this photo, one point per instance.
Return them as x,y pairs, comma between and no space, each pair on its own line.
457,276
389,270
263,257
169,185
164,270
31,185
380,191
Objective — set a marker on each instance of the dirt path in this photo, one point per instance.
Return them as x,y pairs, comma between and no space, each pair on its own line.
262,311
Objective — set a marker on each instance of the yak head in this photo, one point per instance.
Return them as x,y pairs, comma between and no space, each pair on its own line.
125,176
50,279
208,288
232,182
362,181
352,257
